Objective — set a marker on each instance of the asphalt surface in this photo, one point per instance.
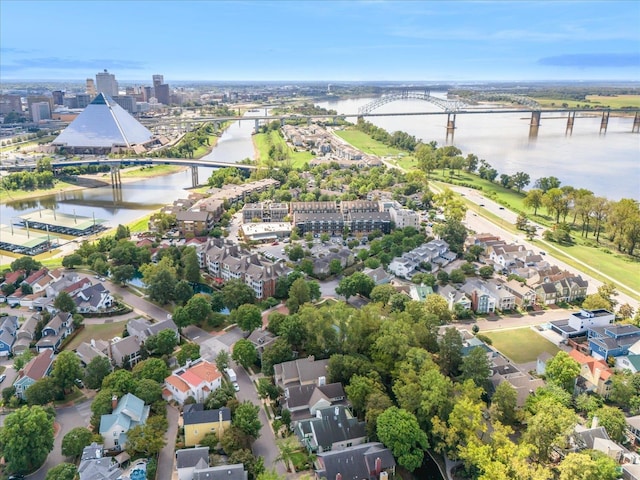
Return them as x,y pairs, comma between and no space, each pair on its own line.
167,454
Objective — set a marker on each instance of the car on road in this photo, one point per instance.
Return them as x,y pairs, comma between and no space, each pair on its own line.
2,377
275,243
500,208
79,383
236,387
481,204
542,253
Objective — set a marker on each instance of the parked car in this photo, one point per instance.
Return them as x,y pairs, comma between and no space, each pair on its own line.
79,383
2,377
236,387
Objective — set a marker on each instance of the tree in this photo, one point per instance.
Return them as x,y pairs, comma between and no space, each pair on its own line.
66,369
26,438
287,447
436,305
504,403
222,360
246,419
65,303
247,316
359,389
457,276
146,439
27,264
278,352
236,293
72,261
520,180
188,351
63,471
162,343
122,273
74,442
149,391
245,353
475,367
43,391
595,301
613,420
234,439
184,292
335,267
296,253
98,368
382,293
534,200
122,232
299,294
356,284
151,368
19,361
253,464
450,352
454,233
119,382
160,280
583,466
486,272
400,432
563,370
547,183
191,265
550,426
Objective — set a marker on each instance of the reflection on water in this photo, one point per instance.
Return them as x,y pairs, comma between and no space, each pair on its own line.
605,163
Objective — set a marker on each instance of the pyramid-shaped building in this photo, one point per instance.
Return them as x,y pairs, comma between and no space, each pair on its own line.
103,127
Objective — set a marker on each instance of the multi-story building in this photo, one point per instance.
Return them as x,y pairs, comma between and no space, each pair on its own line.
265,212
106,83
314,207
358,206
90,88
367,222
157,80
328,222
128,102
58,97
194,222
227,261
10,103
40,111
31,99
578,323
196,380
162,94
403,217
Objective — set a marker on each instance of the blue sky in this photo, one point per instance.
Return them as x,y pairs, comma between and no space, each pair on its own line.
321,40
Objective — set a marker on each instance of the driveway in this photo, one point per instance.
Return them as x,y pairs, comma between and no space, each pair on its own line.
167,455
68,418
265,446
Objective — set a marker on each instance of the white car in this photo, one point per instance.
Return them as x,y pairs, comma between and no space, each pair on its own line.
236,387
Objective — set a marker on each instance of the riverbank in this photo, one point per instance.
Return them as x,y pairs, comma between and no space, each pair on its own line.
81,182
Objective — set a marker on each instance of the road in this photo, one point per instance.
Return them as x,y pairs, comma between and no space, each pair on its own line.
68,418
167,454
265,446
482,224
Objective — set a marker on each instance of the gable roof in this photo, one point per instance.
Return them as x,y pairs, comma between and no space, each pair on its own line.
355,462
103,123
330,425
189,457
38,366
193,417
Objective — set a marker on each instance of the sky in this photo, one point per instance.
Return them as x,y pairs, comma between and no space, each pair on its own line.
305,40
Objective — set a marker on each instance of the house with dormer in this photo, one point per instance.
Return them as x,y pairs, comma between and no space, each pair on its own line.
595,375
8,328
141,328
54,332
125,352
25,335
331,428
197,379
367,461
525,296
127,412
93,299
38,367
454,297
302,371
613,340
303,401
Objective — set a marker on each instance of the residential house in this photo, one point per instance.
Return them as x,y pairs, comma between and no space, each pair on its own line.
188,459
366,461
261,339
631,361
454,297
331,428
197,379
26,334
221,472
523,383
302,371
8,328
579,323
633,428
95,466
553,285
419,293
38,367
378,275
58,328
96,348
125,352
595,375
128,412
524,295
93,299
541,363
504,299
593,437
303,401
435,251
198,422
141,328
612,340
482,300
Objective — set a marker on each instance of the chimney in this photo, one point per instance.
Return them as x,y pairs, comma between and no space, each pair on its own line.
378,465
114,402
338,476
594,422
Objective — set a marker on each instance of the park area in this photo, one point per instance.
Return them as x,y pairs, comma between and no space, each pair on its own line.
521,345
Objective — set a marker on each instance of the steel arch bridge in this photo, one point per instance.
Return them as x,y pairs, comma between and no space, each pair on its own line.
446,105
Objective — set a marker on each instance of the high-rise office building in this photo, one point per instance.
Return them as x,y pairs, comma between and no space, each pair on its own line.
162,94
58,97
10,103
148,93
31,99
91,87
106,83
40,111
128,102
157,80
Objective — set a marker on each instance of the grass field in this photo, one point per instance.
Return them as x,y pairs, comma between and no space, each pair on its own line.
364,142
150,171
263,141
599,101
521,345
104,331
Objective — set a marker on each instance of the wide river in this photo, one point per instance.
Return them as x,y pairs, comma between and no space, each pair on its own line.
607,164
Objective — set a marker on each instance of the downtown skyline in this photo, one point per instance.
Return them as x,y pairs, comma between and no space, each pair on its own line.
321,41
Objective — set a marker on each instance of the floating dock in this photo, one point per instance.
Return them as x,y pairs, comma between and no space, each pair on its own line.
56,222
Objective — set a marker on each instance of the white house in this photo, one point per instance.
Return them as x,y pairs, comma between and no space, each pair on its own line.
198,379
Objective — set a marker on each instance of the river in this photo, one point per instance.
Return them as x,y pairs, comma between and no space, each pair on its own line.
607,164
136,199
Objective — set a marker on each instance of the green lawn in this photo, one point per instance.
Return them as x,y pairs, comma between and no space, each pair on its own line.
521,345
364,142
104,331
596,101
150,171
263,141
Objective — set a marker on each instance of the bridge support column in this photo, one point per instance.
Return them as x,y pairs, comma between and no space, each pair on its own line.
216,127
534,125
570,121
451,126
604,123
636,123
308,121
282,122
256,128
116,180
194,176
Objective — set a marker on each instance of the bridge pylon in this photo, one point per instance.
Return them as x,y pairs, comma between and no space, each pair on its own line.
571,118
636,123
534,125
116,180
604,122
194,176
451,126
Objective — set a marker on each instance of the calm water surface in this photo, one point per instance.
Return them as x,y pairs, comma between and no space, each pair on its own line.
607,164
